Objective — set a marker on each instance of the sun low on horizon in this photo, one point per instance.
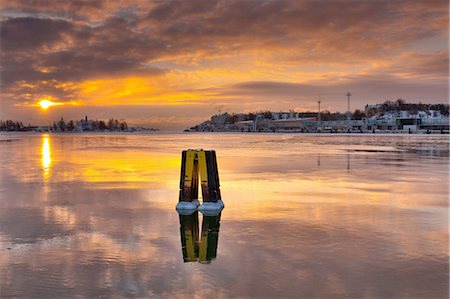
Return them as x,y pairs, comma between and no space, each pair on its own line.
45,104
175,63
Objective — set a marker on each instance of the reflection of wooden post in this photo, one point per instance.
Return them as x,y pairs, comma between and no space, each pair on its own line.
199,248
193,164
189,236
209,238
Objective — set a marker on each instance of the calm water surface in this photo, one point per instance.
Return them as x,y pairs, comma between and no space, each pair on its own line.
92,215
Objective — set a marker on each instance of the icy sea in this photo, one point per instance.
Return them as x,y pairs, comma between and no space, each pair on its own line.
306,216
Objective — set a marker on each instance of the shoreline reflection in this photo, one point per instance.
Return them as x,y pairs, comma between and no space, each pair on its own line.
195,247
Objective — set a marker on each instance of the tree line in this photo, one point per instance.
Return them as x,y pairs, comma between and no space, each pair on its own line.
90,125
413,108
11,125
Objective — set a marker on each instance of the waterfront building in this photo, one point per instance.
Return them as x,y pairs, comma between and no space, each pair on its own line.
377,118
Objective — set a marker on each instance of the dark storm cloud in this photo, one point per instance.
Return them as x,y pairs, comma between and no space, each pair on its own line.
173,10
73,49
309,25
25,34
70,65
74,9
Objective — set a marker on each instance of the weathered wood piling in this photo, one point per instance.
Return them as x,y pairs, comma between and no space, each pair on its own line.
195,165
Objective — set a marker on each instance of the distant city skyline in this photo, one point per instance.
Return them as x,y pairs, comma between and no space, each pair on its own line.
172,64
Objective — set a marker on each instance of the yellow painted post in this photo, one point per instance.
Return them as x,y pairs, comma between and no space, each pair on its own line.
203,170
189,179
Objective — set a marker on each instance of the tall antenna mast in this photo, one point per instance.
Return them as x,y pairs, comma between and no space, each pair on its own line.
318,116
348,108
318,112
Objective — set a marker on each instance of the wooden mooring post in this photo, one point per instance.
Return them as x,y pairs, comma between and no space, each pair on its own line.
197,164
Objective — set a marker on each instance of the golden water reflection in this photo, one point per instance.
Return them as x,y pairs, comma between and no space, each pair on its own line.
112,168
46,159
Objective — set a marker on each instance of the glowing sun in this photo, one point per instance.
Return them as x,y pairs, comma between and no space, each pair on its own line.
44,104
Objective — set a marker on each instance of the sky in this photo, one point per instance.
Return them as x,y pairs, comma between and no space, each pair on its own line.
173,64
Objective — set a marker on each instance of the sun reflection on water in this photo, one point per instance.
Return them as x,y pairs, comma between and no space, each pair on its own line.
46,156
